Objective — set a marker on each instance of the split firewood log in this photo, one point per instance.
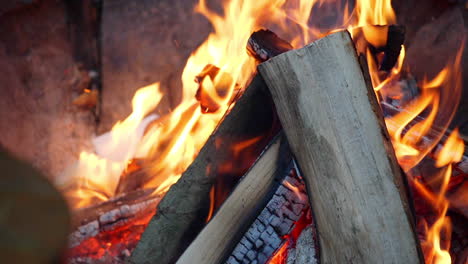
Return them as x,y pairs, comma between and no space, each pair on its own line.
335,128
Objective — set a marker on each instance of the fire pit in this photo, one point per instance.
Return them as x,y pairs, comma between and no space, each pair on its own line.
294,132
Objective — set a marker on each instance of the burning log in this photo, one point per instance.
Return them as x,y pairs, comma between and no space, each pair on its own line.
91,221
182,211
335,128
265,44
287,212
221,234
168,230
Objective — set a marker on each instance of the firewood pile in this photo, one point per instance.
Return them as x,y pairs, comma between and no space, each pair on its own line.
323,182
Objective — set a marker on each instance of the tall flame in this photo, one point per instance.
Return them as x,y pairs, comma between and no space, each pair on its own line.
435,249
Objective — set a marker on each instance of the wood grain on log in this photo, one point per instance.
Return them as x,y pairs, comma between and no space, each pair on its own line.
336,131
270,229
222,233
182,211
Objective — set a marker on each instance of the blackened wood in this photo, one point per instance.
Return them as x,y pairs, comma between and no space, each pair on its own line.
395,38
335,128
111,215
183,210
86,215
265,44
389,41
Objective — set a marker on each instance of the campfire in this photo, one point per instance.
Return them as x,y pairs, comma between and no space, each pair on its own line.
115,189
306,132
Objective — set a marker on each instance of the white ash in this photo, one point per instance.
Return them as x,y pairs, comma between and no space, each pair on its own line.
304,252
276,220
110,220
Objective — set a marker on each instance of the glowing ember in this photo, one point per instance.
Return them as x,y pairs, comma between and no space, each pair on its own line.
110,246
281,255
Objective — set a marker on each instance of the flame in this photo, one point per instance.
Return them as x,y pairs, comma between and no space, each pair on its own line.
434,247
95,176
296,191
281,254
375,12
220,68
212,76
413,137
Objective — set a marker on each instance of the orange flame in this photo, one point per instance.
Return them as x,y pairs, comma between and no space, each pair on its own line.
221,67
94,177
434,247
171,142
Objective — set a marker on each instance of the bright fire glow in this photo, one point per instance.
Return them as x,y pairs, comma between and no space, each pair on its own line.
221,67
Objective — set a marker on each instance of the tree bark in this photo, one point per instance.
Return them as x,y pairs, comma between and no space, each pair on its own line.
335,128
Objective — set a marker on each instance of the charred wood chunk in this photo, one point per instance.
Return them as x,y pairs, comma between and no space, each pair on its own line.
265,44
399,91
213,88
395,38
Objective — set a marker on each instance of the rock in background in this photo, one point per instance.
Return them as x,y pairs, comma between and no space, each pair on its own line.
39,79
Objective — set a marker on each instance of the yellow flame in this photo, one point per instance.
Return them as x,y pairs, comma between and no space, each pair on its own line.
436,250
170,143
452,152
375,12
95,176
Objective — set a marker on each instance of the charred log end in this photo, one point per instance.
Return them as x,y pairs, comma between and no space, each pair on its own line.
395,38
265,44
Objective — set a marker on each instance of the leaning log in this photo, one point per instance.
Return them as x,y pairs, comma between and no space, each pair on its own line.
276,224
335,128
182,212
218,238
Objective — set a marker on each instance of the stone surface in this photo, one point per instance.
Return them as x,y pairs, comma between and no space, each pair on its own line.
40,79
145,42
